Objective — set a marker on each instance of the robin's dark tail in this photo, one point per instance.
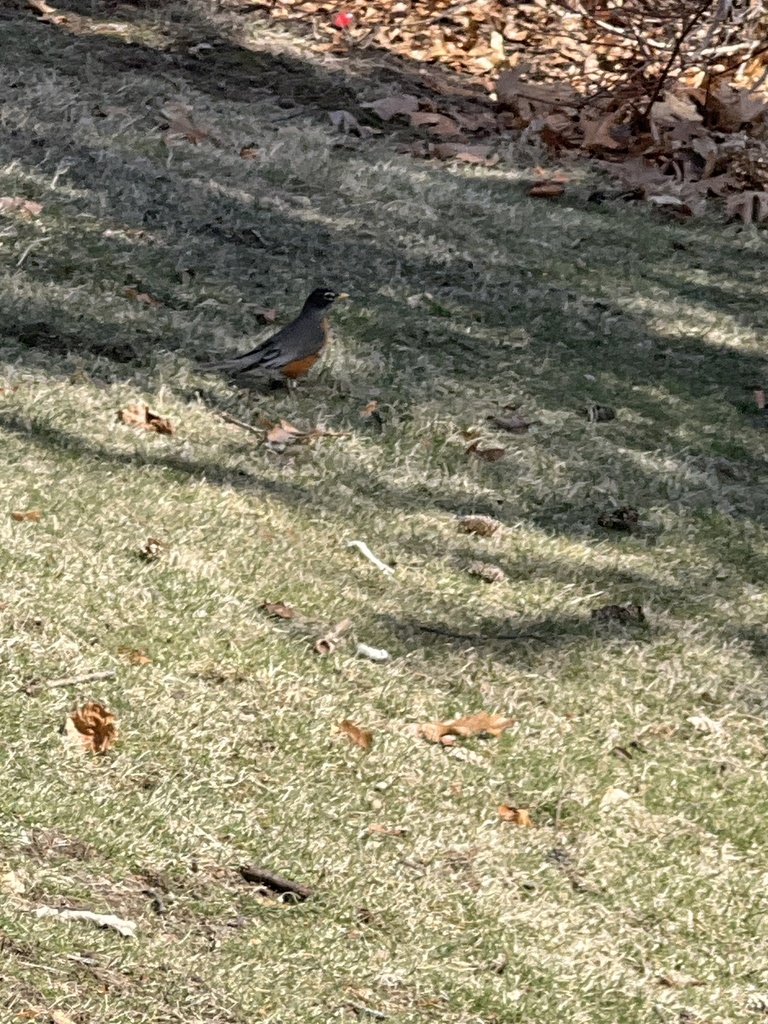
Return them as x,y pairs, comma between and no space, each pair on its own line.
238,365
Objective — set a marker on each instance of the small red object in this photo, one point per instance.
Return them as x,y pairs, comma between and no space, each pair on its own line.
342,20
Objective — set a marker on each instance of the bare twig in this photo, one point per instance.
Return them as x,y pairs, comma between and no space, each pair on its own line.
613,29
686,30
365,1011
239,423
31,689
277,883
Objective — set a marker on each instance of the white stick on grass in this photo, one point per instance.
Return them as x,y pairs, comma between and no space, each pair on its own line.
365,550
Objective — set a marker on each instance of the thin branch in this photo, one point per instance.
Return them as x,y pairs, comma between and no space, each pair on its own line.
31,689
682,36
239,423
277,883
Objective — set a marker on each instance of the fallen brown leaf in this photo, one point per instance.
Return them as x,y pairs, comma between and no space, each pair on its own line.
327,644
485,454
619,613
510,89
17,204
392,106
603,132
387,830
600,413
624,518
485,526
41,6
285,433
360,737
349,125
250,153
180,125
279,609
478,724
677,979
752,207
152,549
369,409
515,815
133,293
92,727
31,515
12,883
435,732
732,108
546,190
514,424
486,571
472,153
140,415
436,124
481,722
135,656
59,1017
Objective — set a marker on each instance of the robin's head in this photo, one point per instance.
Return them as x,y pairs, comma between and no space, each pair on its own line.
323,298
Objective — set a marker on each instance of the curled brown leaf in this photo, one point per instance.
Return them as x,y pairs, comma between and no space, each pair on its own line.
152,549
514,424
279,609
135,656
92,727
392,106
140,415
485,454
31,515
328,643
360,737
515,815
485,526
546,190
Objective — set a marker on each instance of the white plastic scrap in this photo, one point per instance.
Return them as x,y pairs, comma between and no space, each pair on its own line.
372,653
127,928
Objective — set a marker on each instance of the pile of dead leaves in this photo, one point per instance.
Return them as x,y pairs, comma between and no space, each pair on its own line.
671,97
591,45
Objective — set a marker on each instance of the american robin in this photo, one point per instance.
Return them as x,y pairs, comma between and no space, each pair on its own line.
296,347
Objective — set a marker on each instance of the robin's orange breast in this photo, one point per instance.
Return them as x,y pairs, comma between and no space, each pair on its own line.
299,366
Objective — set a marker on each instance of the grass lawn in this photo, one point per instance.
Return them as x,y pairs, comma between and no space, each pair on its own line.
639,749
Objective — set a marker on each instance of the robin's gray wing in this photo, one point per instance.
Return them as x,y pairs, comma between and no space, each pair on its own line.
301,338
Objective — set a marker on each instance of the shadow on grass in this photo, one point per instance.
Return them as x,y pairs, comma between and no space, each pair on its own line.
551,632
576,321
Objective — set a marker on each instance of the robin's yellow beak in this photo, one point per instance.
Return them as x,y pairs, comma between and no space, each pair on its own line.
342,295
